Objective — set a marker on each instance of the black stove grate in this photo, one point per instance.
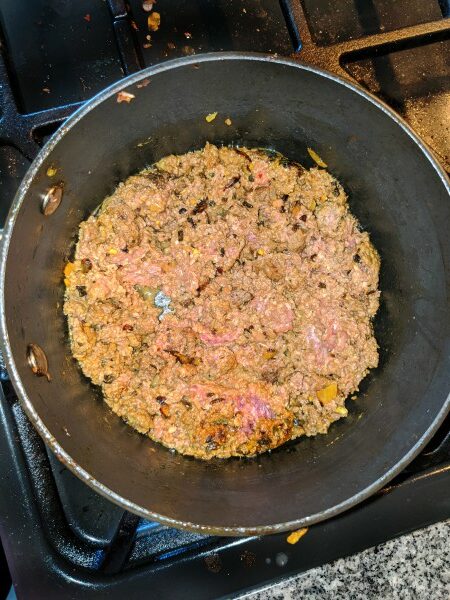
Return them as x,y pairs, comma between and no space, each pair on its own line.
73,538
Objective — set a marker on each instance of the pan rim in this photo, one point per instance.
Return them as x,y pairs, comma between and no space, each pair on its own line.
25,401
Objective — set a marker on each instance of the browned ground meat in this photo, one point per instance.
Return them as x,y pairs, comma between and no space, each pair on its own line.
272,289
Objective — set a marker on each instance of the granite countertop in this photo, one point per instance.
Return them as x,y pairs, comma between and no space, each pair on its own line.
412,567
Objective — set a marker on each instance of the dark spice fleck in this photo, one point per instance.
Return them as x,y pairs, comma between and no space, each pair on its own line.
182,210
285,197
219,270
161,399
303,218
357,258
127,327
125,250
185,402
183,358
86,265
210,394
336,189
295,227
244,154
108,378
200,207
222,252
283,209
322,285
247,204
217,400
313,256
203,285
180,235
232,182
192,222
251,178
81,289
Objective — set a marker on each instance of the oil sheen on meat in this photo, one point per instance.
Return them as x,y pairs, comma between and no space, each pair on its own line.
223,300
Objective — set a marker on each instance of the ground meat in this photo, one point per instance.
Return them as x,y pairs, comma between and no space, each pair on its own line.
223,301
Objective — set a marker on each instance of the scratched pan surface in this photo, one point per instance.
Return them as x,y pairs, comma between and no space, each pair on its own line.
398,192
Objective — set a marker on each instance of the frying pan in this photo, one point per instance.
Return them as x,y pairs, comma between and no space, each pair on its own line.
397,190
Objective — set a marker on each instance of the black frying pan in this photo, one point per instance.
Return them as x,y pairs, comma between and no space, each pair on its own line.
398,192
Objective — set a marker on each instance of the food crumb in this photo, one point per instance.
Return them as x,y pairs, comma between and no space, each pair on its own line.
295,536
154,21
87,17
51,171
143,83
210,117
125,97
228,121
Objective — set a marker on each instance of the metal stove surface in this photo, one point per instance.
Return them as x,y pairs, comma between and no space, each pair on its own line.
56,530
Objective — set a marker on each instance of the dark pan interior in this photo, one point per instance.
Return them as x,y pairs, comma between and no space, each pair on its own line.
394,190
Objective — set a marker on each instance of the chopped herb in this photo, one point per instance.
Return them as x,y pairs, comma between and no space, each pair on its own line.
200,207
233,181
244,154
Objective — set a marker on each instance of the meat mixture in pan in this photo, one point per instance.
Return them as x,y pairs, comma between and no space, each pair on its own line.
223,301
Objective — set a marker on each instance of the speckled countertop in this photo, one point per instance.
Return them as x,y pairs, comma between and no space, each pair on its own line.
412,567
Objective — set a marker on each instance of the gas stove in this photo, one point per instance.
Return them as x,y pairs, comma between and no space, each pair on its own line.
61,539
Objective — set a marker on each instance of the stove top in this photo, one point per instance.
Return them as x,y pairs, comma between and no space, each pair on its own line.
55,530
